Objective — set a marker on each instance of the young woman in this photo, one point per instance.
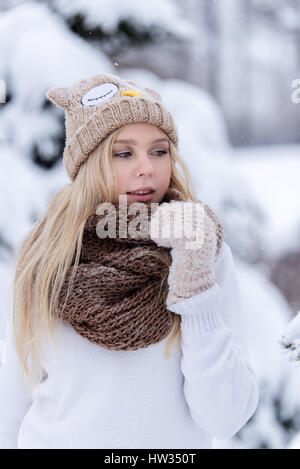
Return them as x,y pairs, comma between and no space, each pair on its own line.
88,362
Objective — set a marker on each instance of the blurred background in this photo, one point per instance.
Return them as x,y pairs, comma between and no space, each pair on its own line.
229,71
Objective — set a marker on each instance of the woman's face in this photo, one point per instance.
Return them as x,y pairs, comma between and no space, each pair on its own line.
142,162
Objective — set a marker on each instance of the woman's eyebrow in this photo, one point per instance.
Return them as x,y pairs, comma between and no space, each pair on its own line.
133,142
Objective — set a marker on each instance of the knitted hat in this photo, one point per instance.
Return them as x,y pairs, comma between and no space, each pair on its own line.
96,106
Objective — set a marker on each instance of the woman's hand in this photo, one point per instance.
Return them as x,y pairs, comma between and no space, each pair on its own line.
190,232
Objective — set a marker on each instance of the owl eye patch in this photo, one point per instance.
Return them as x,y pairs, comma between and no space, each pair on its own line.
99,94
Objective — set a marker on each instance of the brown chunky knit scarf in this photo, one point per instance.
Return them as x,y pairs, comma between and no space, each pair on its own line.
117,300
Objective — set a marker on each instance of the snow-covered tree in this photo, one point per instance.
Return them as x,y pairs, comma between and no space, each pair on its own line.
55,43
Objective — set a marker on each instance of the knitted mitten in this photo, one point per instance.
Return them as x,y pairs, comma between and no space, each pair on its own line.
193,253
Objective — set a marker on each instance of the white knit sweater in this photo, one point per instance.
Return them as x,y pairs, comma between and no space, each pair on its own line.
97,398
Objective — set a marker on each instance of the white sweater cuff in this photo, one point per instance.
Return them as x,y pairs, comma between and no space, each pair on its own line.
202,312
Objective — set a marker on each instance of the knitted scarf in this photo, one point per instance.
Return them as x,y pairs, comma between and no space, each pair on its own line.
117,299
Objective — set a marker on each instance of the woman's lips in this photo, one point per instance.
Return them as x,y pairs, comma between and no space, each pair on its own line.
141,198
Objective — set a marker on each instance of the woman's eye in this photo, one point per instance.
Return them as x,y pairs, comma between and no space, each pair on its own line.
128,153
123,153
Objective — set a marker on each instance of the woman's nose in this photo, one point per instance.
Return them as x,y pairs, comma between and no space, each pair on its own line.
145,166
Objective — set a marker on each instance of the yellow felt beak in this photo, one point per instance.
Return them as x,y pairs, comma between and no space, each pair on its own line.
131,93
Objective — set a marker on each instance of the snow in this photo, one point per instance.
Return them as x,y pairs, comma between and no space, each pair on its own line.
65,58
265,315
6,277
254,190
273,172
163,13
24,209
295,442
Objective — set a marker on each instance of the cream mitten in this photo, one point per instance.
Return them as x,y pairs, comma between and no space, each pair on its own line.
191,234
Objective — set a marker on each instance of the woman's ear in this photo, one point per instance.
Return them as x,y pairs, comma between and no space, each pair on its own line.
60,97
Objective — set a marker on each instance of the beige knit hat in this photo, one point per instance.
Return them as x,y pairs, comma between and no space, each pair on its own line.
96,106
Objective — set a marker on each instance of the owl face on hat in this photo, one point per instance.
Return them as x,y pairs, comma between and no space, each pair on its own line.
82,93
98,105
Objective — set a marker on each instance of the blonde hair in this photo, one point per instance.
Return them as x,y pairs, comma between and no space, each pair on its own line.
45,255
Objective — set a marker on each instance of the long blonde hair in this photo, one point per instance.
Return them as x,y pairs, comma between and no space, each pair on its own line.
54,244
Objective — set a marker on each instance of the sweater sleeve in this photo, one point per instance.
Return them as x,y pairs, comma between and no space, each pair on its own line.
15,399
220,385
